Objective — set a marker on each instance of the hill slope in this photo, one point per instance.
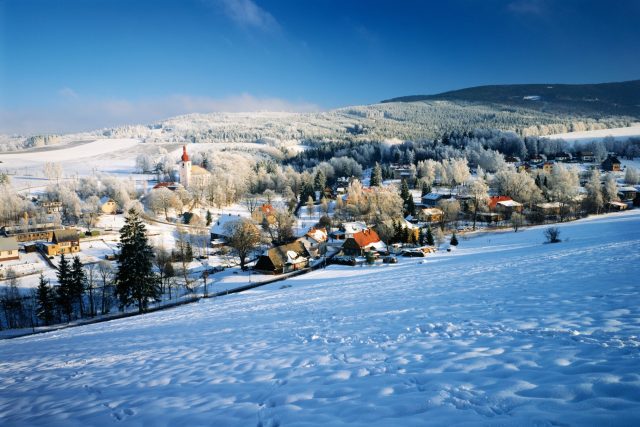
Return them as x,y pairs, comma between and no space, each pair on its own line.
504,331
621,98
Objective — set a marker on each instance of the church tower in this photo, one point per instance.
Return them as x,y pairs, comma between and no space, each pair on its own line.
185,168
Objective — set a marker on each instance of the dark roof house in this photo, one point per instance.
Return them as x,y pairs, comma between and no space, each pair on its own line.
283,259
611,164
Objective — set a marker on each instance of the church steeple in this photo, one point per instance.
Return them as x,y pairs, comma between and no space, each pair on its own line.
185,168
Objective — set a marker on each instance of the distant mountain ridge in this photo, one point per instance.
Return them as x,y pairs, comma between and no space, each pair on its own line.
618,98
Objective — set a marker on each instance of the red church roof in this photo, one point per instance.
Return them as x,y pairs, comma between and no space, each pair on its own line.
185,156
493,200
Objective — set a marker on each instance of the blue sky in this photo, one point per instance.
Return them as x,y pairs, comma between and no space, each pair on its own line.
68,65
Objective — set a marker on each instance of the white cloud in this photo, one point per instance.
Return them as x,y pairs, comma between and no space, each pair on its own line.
68,93
82,115
247,14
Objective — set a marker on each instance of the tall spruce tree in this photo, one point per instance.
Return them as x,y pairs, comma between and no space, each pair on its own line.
136,282
320,181
407,199
376,176
430,240
46,303
64,291
78,281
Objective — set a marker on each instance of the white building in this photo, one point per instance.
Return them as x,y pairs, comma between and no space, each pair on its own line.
185,168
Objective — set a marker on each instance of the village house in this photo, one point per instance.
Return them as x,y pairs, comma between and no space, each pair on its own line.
315,241
404,172
585,156
494,200
611,164
51,207
8,249
548,208
362,242
508,207
627,194
489,217
431,215
432,199
108,206
63,242
563,156
283,259
616,206
30,233
264,212
523,167
547,167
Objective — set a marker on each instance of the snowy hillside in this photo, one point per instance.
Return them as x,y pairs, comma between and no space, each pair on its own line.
505,330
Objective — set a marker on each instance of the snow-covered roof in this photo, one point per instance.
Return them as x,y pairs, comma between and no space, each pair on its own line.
8,244
317,234
432,196
354,227
432,211
218,226
627,188
105,199
510,204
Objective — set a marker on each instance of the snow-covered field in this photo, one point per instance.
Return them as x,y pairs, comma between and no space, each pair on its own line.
621,134
505,330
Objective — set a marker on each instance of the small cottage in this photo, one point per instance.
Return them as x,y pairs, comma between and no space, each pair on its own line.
8,249
363,242
431,215
508,207
611,164
108,206
315,241
63,242
283,259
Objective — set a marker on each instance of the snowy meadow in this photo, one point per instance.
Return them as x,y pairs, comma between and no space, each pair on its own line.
505,330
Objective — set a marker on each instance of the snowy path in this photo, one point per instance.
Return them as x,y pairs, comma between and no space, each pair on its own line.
504,331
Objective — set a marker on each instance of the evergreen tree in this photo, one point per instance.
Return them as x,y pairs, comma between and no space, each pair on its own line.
78,280
405,194
64,291
376,176
320,181
209,218
405,235
135,280
411,207
426,189
46,302
407,199
430,240
397,232
454,240
307,191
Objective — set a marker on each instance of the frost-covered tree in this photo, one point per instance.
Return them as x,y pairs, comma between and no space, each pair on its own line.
631,176
595,199
478,190
610,188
